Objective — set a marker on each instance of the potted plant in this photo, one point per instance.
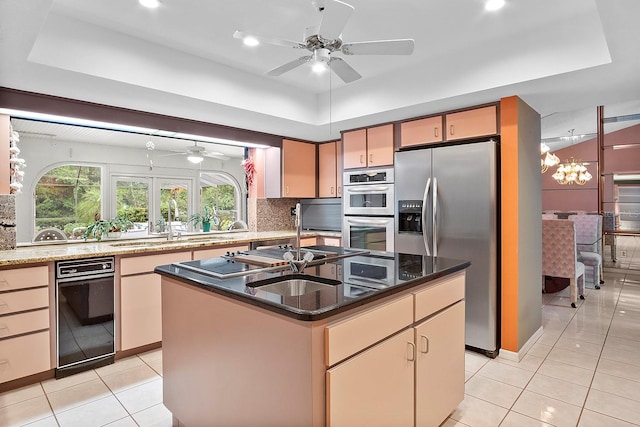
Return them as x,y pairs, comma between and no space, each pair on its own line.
205,218
111,227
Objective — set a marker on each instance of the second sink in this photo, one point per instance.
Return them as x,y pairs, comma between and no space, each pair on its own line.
295,285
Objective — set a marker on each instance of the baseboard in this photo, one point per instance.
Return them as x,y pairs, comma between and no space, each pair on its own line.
517,356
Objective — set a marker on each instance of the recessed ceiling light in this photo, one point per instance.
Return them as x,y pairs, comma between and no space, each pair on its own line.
492,5
251,41
151,4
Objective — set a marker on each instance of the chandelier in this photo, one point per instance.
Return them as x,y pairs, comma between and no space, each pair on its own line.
549,159
572,171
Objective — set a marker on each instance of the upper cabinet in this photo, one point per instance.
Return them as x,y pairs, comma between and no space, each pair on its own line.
298,169
369,147
471,123
421,131
329,169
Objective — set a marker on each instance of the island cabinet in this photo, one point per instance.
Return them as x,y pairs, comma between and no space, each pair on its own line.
427,358
140,298
421,131
298,169
471,123
330,169
393,361
371,147
25,342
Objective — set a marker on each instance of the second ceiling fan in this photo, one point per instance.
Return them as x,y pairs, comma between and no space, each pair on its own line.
324,40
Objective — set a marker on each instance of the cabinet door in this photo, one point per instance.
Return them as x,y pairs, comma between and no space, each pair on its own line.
470,123
140,310
423,131
439,366
374,388
298,169
354,145
380,146
327,170
339,168
24,355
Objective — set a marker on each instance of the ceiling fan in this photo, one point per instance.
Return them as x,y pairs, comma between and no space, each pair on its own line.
324,40
196,154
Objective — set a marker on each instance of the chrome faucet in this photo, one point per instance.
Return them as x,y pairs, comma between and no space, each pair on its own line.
175,207
298,263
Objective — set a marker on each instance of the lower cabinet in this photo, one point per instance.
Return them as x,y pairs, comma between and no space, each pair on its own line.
140,310
439,345
374,388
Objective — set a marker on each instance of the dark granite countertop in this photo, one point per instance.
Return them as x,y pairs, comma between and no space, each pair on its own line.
362,279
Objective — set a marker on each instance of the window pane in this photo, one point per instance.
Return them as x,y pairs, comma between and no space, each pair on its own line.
68,198
179,191
219,192
132,202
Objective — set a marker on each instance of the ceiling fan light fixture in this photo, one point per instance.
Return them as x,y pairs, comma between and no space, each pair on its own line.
195,158
320,60
250,41
493,5
151,4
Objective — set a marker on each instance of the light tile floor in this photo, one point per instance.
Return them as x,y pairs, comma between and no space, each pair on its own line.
583,371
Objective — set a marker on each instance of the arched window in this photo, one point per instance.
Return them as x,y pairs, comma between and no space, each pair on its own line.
68,198
222,192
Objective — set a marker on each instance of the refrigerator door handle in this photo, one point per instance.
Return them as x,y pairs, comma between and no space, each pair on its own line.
425,237
435,216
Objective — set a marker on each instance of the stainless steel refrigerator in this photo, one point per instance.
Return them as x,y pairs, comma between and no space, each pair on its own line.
446,205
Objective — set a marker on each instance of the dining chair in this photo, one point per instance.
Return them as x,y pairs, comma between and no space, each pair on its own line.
589,243
560,256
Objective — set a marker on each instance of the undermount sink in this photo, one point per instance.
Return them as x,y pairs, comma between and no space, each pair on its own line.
294,285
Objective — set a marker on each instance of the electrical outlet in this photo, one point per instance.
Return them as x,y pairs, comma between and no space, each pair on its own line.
624,254
293,211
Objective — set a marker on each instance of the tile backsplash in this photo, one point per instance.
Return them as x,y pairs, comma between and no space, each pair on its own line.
271,214
7,221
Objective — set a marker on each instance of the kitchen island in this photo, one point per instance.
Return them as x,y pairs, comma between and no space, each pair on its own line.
326,351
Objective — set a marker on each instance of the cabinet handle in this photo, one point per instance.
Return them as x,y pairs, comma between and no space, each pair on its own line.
411,351
435,132
451,132
3,327
286,189
3,304
370,158
4,282
361,159
425,341
4,362
332,189
340,191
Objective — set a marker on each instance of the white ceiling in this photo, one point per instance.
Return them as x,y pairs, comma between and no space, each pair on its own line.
563,58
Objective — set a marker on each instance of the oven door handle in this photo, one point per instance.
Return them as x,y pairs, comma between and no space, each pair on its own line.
367,189
367,221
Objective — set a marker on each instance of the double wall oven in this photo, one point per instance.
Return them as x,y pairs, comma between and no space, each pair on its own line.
368,198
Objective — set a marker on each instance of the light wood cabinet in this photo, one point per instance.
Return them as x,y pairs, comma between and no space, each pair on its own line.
371,147
339,167
141,298
471,123
25,345
421,131
360,392
439,365
328,170
298,169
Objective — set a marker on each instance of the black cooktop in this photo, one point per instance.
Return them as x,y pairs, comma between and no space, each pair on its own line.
220,267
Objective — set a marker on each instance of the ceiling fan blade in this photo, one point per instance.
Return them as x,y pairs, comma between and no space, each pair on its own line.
268,40
334,18
218,156
289,66
343,70
380,47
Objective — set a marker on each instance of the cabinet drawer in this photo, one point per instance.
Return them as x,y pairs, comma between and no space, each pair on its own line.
28,277
25,355
146,263
350,335
438,296
29,299
16,324
216,252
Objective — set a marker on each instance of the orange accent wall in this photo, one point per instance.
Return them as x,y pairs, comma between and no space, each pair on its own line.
509,213
4,154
